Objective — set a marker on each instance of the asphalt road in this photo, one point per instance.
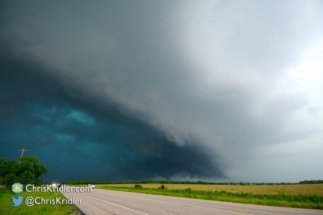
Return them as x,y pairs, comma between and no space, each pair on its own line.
116,202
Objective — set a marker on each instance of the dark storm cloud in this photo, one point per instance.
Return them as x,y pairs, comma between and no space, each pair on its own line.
209,77
37,114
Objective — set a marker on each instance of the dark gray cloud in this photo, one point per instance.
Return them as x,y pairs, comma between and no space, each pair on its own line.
215,80
73,137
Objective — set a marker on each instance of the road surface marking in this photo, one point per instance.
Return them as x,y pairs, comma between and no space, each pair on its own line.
117,205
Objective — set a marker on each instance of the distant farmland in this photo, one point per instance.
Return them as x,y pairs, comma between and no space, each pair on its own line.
291,189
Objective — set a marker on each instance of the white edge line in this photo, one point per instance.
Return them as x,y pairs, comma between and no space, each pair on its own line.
117,205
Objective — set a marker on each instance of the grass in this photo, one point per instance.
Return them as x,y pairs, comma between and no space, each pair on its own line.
54,209
313,201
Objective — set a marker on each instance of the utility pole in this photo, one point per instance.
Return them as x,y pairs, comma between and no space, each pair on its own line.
22,153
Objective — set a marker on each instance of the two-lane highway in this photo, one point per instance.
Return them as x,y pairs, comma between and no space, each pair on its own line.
116,202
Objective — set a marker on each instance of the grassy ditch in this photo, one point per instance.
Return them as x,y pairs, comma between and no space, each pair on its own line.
51,209
314,201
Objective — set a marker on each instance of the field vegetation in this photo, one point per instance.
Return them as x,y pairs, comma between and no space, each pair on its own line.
290,189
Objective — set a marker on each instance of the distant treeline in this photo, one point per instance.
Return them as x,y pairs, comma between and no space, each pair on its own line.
188,182
311,182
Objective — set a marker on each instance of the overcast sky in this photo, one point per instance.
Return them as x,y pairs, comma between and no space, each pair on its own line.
194,90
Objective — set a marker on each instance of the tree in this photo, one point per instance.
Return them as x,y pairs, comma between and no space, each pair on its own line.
28,171
7,171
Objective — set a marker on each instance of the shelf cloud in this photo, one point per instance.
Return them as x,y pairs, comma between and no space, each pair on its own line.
164,89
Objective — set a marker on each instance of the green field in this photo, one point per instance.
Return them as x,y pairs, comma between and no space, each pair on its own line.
299,196
51,209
